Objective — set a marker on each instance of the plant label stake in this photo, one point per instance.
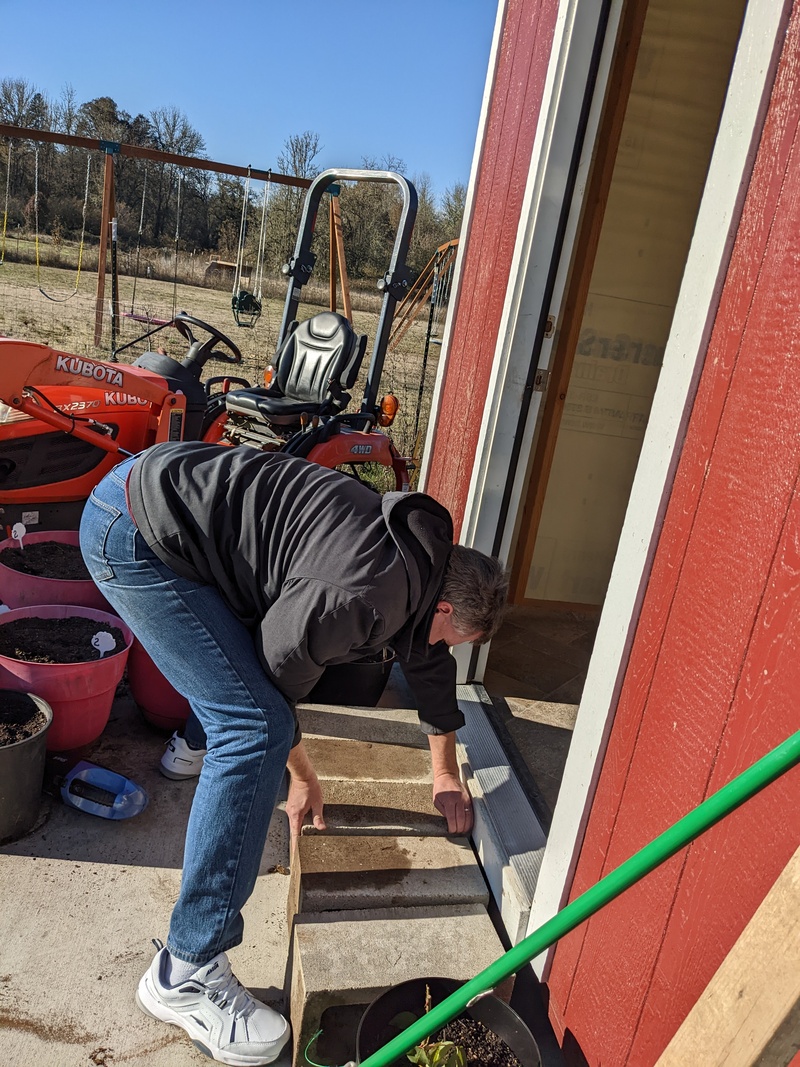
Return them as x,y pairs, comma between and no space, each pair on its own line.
103,642
18,531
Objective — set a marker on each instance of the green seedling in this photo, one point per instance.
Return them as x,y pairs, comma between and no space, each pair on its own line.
437,1053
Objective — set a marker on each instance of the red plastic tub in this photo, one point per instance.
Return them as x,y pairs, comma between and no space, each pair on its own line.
80,694
160,703
19,590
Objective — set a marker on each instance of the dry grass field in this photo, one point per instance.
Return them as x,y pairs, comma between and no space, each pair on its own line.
65,320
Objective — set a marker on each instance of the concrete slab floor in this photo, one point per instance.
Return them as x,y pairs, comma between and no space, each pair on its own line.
81,899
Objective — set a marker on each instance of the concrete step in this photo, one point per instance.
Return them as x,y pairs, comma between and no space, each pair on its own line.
347,873
376,819
391,726
375,770
371,758
342,960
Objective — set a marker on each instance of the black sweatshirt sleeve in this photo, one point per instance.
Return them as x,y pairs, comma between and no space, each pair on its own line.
432,678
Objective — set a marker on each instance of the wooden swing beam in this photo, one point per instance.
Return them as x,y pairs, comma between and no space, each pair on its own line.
112,148
337,256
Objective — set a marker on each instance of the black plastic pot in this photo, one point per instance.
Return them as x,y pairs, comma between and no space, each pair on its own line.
376,1027
22,769
359,684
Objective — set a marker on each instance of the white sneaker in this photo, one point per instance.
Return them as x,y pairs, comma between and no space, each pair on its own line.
180,760
221,1017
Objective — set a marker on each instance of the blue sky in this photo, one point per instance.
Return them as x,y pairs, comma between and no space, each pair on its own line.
372,79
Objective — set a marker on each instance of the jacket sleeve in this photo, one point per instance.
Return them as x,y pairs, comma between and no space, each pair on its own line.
432,678
310,625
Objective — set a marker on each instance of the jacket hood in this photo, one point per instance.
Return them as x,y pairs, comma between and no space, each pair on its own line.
422,529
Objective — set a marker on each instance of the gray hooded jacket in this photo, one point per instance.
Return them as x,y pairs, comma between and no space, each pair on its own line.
322,569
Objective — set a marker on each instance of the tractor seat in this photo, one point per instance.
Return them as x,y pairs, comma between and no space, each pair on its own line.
315,366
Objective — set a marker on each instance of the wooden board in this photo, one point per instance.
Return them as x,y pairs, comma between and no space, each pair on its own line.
751,1006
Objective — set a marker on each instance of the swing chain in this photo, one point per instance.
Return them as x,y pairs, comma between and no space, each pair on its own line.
177,238
259,277
242,234
5,208
139,240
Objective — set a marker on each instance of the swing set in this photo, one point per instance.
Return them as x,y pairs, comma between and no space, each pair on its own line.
138,316
81,246
49,296
108,227
246,305
5,208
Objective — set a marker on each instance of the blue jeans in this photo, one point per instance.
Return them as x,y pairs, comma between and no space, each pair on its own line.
209,656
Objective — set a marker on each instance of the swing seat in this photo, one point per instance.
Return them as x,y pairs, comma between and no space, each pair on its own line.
316,365
246,308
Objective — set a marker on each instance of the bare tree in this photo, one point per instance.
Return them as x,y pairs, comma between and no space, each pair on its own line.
171,132
428,230
298,155
453,204
286,203
21,104
101,118
65,111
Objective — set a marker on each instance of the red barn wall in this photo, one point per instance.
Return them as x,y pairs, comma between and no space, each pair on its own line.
714,674
522,60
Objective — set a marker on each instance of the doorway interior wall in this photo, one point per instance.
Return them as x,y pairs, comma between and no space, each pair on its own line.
623,289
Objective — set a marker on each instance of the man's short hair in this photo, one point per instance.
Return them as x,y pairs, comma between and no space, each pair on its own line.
476,586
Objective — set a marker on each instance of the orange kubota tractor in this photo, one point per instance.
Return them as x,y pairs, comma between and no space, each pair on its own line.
67,419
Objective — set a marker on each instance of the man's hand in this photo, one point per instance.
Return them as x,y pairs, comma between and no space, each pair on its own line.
450,795
451,798
305,793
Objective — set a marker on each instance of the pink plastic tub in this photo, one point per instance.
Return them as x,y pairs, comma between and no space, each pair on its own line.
80,694
19,590
160,703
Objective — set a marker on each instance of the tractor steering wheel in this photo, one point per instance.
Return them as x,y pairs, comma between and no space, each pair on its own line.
199,353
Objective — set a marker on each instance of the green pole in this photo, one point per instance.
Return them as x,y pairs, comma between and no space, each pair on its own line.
683,832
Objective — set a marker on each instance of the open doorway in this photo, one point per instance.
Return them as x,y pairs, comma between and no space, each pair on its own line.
664,99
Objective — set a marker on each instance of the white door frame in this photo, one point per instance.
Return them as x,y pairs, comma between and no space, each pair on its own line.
576,31
548,222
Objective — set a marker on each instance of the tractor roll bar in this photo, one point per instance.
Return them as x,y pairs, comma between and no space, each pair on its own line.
395,282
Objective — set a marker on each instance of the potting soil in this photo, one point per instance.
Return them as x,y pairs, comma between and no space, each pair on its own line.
482,1047
66,640
47,559
20,717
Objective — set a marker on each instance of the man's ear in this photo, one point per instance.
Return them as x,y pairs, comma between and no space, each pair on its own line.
444,607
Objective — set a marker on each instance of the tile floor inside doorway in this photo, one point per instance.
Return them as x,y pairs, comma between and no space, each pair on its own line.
541,654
